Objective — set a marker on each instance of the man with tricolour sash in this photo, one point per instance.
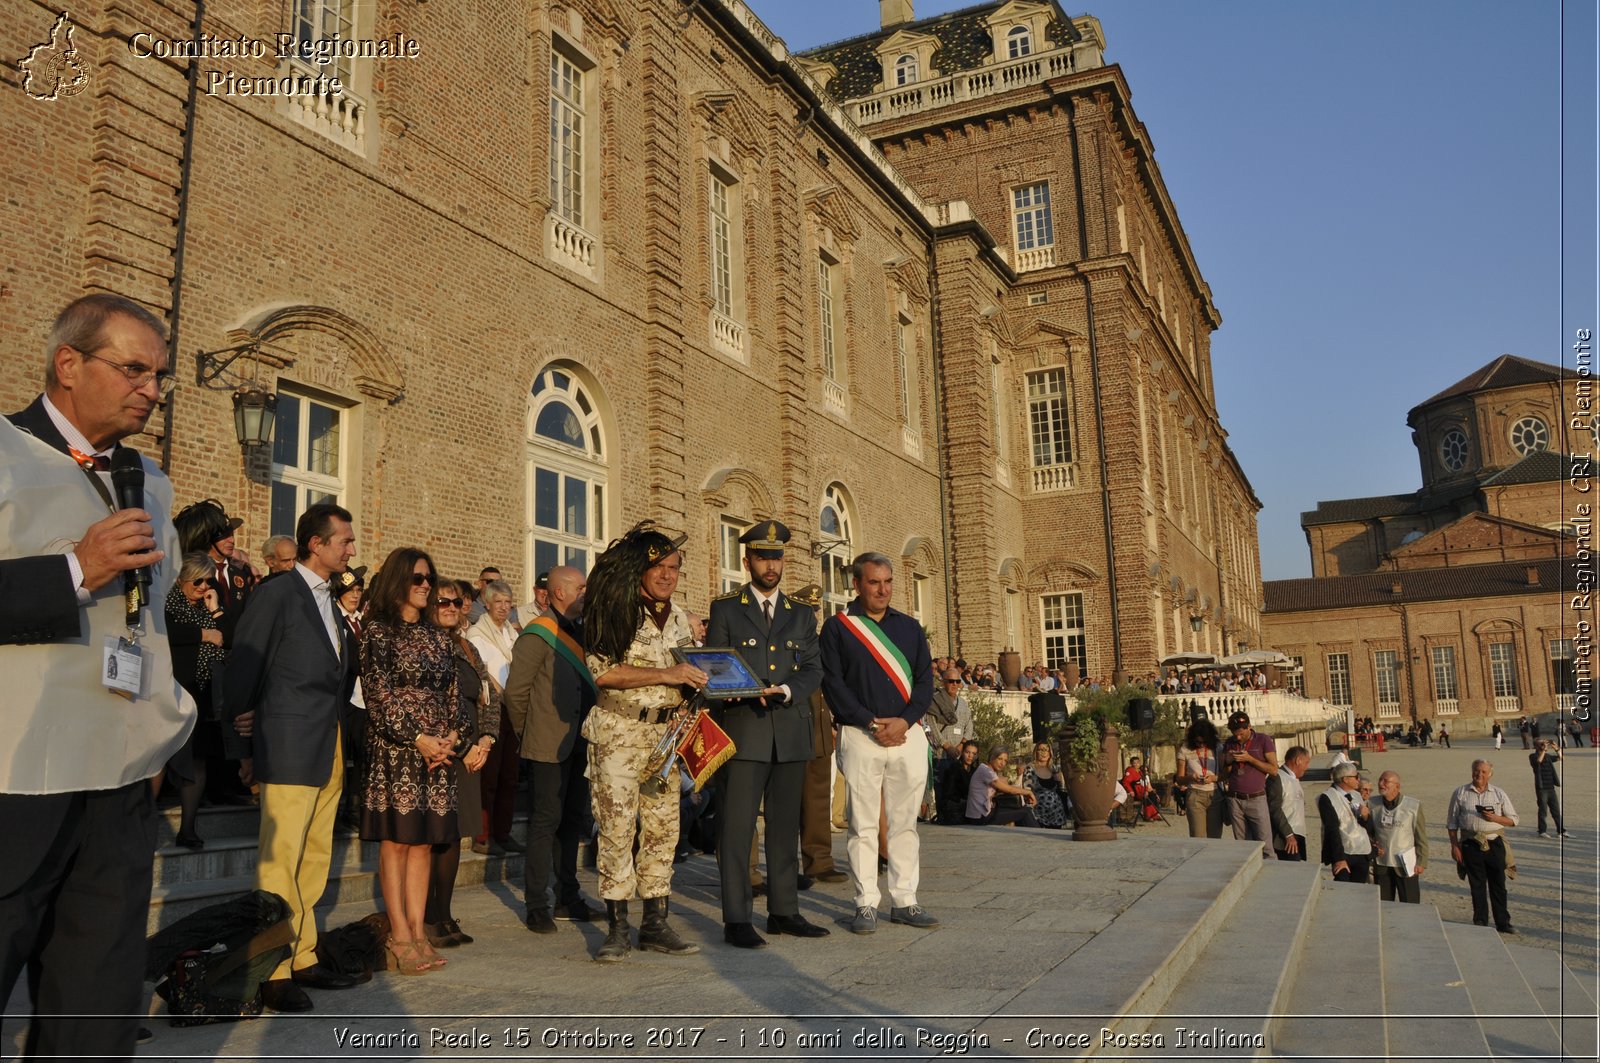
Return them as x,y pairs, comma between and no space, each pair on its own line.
877,674
549,692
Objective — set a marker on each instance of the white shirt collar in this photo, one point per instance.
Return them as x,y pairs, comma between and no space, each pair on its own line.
762,598
317,584
69,431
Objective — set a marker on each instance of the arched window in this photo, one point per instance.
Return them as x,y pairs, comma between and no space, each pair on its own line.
905,70
1019,42
833,526
566,460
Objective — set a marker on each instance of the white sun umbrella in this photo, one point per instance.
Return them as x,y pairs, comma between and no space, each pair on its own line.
1258,657
1189,657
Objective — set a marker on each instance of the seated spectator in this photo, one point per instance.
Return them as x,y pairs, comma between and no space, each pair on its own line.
1049,792
1026,680
955,782
1133,779
990,779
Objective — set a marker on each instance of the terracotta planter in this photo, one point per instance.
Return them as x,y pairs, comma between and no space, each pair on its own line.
1092,791
1073,675
1010,668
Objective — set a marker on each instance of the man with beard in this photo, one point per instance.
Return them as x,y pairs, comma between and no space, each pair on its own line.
630,627
772,735
549,693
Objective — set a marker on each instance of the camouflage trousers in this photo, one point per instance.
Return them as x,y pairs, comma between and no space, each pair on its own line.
618,751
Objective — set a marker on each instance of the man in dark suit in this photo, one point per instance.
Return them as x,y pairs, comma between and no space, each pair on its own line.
778,640
549,692
289,679
75,801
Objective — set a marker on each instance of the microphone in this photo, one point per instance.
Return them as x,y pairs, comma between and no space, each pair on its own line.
127,480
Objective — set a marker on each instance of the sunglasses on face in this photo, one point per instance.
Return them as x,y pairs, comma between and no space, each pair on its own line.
199,582
420,578
447,603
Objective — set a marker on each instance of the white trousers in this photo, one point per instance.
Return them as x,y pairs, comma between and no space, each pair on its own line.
893,778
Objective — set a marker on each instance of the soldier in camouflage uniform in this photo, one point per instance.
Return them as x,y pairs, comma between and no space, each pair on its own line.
631,627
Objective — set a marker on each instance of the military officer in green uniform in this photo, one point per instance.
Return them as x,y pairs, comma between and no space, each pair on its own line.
778,639
631,627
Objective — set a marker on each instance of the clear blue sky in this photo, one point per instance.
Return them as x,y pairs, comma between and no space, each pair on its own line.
1371,189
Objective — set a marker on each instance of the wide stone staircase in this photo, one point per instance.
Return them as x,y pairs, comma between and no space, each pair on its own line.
1236,958
186,880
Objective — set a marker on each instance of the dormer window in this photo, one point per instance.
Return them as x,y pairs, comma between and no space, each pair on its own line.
905,70
1019,42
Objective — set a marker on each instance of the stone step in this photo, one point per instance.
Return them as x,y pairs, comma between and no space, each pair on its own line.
237,858
1336,1001
350,883
1126,971
1423,988
1562,994
1512,1020
213,824
1251,958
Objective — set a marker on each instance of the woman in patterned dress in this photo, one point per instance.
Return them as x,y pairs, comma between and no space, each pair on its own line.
408,679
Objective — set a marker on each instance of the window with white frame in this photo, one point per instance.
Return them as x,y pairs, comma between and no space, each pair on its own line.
307,458
730,552
721,244
568,143
833,526
1062,627
1030,211
1019,42
1339,678
567,474
1048,431
1503,669
919,583
827,315
322,20
902,331
1386,674
1296,680
1446,684
905,70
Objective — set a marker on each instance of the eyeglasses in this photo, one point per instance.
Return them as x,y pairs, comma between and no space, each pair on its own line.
199,582
952,682
420,578
447,603
140,375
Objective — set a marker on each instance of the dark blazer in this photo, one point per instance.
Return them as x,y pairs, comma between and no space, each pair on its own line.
283,667
781,730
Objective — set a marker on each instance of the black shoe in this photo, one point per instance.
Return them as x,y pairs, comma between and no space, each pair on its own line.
539,921
281,994
1507,929
191,841
577,911
758,889
143,1035
742,936
461,936
319,977
883,864
804,882
511,845
796,926
831,876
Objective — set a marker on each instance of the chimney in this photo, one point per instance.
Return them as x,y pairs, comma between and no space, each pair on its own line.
894,12
1533,575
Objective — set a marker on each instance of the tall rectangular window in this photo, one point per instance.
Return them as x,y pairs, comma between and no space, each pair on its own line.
320,20
903,365
1296,681
730,551
826,318
721,247
1386,670
1563,674
1062,626
1030,210
566,136
1503,669
1047,417
1339,678
1446,686
307,465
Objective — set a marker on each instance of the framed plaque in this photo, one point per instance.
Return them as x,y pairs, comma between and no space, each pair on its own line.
729,676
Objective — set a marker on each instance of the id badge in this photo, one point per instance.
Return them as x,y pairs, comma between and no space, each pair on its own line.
121,667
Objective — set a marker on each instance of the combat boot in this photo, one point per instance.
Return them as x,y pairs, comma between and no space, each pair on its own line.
656,935
615,947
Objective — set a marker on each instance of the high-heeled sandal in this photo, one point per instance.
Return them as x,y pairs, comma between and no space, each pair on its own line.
429,955
405,957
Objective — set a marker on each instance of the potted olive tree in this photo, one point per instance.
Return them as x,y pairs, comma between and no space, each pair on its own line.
1091,757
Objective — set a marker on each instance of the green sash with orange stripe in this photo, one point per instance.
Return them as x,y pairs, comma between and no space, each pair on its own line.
565,646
